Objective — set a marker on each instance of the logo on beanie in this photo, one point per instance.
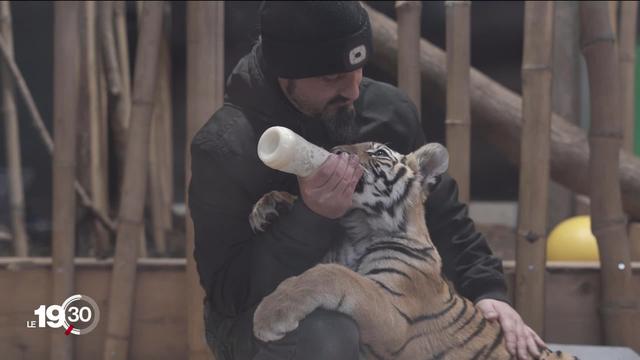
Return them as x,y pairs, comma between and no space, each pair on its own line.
357,54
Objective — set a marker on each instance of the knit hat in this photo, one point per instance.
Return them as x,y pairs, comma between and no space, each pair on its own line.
311,38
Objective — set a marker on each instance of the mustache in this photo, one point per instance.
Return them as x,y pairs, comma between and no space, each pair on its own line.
338,100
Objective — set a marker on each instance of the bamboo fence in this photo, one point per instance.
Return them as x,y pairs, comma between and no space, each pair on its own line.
563,203
66,82
627,60
619,306
205,79
408,14
92,131
458,121
161,147
12,134
534,163
132,198
498,114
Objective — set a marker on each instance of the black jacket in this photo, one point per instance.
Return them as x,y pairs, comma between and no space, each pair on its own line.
238,268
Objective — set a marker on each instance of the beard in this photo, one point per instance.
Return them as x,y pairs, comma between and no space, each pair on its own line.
340,125
338,120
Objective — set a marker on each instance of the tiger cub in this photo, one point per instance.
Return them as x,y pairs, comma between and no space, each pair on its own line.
386,273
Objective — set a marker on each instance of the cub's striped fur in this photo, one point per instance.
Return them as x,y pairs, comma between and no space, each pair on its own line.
386,274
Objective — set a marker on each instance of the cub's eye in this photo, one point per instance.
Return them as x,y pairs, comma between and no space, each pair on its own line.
380,153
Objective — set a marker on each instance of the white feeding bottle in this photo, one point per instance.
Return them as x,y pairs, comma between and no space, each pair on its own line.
282,149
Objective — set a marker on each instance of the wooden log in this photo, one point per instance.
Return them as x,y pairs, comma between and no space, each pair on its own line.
534,163
12,134
608,223
627,51
498,113
132,197
458,122
205,89
43,133
408,14
66,82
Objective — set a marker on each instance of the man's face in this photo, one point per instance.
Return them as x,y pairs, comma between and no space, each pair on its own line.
329,98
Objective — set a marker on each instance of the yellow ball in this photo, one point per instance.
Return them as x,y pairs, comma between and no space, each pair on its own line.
572,240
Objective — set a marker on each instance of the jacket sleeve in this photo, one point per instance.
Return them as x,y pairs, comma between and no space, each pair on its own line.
238,268
467,259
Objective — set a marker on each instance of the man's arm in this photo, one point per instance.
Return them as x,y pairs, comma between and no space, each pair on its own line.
466,256
238,268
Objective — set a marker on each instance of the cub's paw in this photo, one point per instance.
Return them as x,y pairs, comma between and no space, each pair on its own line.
279,313
268,208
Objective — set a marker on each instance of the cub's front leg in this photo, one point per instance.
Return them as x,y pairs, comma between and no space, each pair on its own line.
331,287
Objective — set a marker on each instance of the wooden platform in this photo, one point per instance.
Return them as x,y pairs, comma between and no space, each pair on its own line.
159,324
585,352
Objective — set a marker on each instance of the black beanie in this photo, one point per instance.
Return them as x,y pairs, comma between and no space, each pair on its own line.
311,38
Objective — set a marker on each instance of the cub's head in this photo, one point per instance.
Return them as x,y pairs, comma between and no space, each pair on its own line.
392,182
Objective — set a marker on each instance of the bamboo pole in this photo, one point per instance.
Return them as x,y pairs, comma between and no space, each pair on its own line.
534,163
160,156
92,158
408,14
166,139
130,214
627,51
498,112
205,88
149,196
634,238
66,82
12,133
43,133
608,223
458,120
627,60
613,16
565,95
122,102
108,43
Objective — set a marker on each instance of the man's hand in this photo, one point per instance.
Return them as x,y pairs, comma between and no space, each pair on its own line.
521,339
329,190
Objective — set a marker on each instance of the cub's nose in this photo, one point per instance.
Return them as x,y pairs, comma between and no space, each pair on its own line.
339,150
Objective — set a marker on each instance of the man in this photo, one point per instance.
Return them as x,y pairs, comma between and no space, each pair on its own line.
305,73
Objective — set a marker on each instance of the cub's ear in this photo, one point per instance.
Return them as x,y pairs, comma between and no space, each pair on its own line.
432,160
